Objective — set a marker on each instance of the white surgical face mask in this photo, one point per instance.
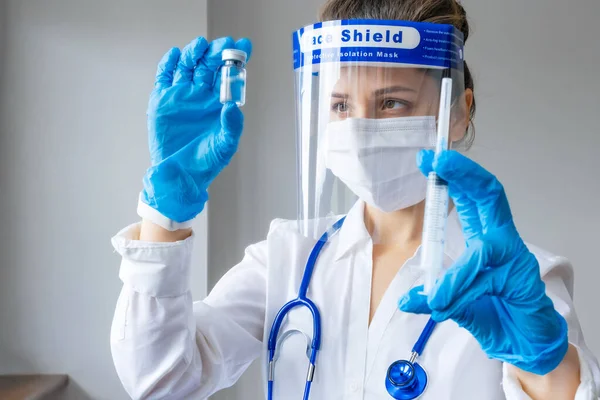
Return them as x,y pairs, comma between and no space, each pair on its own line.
376,158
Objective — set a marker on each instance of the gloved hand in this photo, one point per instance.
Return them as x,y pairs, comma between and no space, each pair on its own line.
494,290
191,135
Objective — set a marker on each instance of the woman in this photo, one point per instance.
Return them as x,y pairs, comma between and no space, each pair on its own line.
506,327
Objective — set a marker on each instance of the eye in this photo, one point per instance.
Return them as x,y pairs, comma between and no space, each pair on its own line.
341,107
391,104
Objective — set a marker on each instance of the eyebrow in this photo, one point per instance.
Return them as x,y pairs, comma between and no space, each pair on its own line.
392,89
339,95
378,92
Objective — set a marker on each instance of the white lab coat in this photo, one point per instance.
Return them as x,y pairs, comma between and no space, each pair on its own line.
165,347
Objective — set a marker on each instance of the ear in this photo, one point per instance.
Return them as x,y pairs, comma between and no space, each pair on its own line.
461,116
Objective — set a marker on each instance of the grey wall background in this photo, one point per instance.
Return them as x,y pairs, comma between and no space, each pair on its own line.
73,95
74,81
535,66
2,33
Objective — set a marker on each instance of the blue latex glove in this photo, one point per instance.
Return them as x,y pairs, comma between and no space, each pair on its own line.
494,290
191,135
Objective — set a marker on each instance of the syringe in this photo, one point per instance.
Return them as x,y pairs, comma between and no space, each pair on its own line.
436,203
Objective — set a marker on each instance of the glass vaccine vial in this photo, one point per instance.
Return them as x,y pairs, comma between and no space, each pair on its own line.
233,77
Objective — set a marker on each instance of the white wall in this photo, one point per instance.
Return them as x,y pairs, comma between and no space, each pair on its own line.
77,75
535,65
536,68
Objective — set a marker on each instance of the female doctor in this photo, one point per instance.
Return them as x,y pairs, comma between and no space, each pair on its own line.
503,321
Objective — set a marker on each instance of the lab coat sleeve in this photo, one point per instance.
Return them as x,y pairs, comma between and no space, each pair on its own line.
164,346
557,274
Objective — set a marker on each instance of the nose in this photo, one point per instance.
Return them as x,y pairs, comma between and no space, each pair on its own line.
364,110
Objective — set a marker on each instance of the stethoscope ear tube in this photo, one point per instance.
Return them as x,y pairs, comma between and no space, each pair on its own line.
301,301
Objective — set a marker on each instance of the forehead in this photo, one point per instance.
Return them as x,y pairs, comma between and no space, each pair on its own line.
378,71
362,78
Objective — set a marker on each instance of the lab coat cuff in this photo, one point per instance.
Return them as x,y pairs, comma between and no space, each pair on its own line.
152,215
586,390
157,269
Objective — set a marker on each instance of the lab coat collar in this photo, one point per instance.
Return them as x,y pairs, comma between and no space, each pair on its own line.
354,233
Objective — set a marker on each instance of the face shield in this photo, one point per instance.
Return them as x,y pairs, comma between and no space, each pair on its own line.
367,100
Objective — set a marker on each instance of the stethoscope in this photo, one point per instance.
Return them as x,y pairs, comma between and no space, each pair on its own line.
405,379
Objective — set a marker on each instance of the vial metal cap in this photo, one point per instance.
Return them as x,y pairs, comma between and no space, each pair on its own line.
235,55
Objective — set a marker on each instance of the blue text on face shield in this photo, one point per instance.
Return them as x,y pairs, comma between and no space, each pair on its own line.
358,36
412,43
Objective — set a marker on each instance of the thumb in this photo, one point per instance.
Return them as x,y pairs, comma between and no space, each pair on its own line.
425,161
232,120
232,124
414,302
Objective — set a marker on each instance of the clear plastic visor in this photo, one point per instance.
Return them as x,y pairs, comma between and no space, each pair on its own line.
360,126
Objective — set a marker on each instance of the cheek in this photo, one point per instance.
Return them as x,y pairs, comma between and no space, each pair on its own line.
426,107
458,130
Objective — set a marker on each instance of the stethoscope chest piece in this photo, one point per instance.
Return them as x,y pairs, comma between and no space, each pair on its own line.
405,380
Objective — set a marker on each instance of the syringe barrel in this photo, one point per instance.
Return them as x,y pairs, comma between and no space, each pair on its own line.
436,204
434,230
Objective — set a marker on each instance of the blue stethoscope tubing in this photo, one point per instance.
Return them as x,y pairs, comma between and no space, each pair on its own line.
405,379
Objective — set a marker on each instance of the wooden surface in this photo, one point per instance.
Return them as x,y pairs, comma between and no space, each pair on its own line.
31,387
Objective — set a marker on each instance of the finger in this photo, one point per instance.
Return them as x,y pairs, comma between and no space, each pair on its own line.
425,161
414,302
166,69
226,143
466,208
488,283
190,56
479,185
245,45
212,60
455,284
468,213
